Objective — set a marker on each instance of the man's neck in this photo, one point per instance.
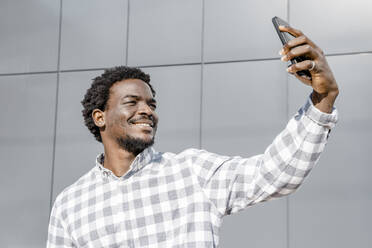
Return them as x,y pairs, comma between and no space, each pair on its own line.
117,159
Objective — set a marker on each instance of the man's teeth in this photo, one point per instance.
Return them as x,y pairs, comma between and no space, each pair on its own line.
143,124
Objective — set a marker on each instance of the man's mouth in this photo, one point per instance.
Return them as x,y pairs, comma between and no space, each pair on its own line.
143,123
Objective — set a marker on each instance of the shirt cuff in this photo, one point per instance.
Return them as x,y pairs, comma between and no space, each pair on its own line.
328,120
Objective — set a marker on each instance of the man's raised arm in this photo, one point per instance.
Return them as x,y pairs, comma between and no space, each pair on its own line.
234,183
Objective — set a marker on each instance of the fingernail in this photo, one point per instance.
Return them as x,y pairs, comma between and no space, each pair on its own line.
289,69
281,52
283,58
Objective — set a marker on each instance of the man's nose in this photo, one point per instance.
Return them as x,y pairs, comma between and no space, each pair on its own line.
144,108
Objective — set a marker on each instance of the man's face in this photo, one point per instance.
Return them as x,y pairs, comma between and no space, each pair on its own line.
130,116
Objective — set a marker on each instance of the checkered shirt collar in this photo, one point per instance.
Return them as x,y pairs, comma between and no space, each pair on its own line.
140,161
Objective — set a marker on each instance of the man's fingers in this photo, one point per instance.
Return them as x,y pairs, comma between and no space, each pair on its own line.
297,42
305,79
306,49
292,31
304,65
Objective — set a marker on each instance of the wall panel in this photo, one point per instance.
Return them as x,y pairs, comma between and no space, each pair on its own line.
240,29
334,204
164,32
336,26
93,34
26,157
29,35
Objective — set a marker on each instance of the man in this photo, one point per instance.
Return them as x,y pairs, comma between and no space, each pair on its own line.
137,197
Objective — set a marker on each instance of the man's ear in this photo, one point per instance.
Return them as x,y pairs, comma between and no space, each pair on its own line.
98,117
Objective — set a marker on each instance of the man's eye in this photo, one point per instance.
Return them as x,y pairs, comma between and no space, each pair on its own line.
130,103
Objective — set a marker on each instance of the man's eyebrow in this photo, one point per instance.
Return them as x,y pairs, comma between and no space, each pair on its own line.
137,97
130,96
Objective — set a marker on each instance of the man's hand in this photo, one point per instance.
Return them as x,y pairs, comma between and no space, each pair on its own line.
325,89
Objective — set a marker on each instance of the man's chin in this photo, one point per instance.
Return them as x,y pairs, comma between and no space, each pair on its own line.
135,145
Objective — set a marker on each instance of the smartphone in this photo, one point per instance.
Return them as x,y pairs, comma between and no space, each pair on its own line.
285,37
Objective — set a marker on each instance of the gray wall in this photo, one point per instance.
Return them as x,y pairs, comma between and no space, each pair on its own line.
221,87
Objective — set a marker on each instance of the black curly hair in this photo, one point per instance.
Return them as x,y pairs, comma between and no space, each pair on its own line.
97,95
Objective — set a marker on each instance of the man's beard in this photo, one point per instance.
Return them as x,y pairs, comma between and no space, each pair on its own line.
134,145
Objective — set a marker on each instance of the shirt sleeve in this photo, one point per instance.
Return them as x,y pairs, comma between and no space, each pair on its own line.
234,183
58,235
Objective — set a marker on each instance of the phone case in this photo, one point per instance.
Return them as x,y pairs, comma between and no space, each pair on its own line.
284,38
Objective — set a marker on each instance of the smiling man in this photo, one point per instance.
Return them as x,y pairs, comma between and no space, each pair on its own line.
137,197
126,121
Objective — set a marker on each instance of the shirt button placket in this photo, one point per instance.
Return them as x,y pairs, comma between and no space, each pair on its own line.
117,209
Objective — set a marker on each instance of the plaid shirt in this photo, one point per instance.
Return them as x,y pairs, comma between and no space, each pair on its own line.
178,200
